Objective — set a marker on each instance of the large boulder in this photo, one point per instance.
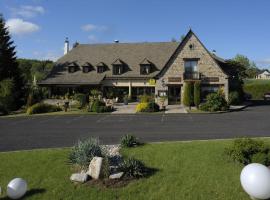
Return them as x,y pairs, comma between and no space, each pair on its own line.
79,177
95,167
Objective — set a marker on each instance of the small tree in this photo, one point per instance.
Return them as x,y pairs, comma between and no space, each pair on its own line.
188,94
197,94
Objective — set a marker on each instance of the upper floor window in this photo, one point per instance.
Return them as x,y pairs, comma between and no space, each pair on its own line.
71,69
191,65
145,69
117,69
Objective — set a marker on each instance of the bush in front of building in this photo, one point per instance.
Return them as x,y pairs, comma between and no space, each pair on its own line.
99,106
197,94
147,107
146,98
234,98
215,102
188,98
81,98
42,108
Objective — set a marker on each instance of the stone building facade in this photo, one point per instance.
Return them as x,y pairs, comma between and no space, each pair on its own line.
159,69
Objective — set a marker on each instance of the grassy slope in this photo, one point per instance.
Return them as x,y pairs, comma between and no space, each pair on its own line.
192,170
256,88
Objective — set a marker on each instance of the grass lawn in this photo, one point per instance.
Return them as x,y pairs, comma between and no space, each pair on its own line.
256,88
186,170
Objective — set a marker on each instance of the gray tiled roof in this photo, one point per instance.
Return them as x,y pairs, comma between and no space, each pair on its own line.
131,54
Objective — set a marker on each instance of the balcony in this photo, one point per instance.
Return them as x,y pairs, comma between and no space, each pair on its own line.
192,76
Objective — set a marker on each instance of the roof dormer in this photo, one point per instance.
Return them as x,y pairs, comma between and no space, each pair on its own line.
72,67
101,67
146,67
118,67
86,67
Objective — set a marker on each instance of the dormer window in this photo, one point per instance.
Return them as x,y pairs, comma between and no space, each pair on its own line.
72,68
100,67
145,67
86,69
118,67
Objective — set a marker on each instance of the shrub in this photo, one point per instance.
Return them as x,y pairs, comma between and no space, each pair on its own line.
133,168
215,102
129,141
146,98
261,157
99,107
244,150
3,109
7,98
147,107
81,98
234,98
188,94
42,108
84,151
197,94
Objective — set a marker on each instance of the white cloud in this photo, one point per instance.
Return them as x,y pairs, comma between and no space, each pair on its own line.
27,11
18,26
92,27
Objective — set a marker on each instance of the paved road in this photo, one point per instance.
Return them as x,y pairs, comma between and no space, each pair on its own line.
61,131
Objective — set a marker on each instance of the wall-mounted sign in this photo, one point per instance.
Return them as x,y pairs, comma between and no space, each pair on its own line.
174,79
152,81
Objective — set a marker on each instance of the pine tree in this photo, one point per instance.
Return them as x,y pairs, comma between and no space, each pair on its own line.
8,65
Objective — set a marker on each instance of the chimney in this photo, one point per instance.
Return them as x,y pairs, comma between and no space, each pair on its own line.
66,46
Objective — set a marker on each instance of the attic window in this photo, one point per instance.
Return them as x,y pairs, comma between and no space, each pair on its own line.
71,69
100,69
117,69
86,69
145,69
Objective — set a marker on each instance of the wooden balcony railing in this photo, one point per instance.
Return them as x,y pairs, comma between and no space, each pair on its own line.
192,76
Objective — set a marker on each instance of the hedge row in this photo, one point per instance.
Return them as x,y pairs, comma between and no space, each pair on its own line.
42,108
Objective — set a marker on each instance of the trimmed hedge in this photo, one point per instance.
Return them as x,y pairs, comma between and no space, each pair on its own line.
188,98
42,108
197,94
257,88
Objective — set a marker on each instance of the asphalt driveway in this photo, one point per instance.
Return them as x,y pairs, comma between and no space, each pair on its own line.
62,131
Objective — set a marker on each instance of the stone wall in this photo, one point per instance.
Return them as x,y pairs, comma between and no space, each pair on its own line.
191,49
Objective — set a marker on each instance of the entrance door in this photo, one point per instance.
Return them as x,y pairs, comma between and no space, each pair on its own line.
174,94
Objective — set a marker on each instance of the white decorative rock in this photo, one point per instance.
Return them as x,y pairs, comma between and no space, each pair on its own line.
81,178
95,167
255,180
116,176
16,188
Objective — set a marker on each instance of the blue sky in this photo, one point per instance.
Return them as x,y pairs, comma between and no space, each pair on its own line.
39,27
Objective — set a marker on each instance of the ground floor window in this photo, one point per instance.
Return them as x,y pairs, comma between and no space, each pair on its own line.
208,89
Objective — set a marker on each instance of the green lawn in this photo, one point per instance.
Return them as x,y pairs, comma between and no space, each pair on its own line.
256,88
186,170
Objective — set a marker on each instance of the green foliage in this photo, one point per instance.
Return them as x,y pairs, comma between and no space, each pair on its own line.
36,94
146,98
99,107
188,98
257,88
234,98
6,95
3,109
129,141
133,168
244,150
9,67
94,93
215,102
197,94
42,108
81,98
84,151
262,158
147,107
